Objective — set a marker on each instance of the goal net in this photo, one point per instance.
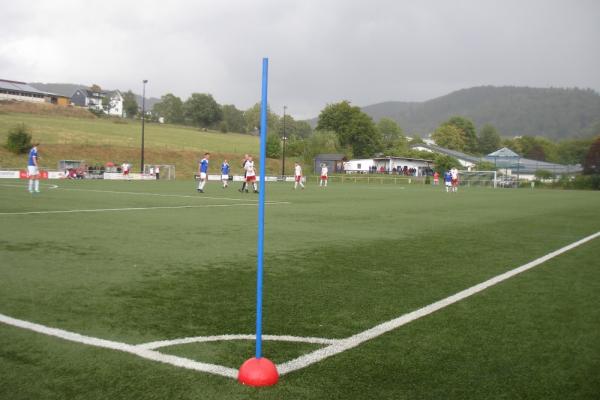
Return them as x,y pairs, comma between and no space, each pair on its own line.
477,178
160,171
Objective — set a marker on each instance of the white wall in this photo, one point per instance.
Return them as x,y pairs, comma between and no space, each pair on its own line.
6,96
354,166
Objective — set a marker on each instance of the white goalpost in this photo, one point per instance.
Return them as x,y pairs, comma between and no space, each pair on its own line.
478,178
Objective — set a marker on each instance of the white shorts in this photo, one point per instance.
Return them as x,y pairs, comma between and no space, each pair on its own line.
224,177
202,175
448,183
32,170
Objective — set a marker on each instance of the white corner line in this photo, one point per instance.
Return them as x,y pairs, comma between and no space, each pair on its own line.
127,348
334,346
217,338
355,340
94,210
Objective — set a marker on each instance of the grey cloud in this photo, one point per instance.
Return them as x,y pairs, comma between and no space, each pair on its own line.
320,51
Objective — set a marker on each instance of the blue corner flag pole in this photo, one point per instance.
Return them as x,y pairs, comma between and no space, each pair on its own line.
261,207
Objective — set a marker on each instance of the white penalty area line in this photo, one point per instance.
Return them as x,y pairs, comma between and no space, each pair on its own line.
333,346
95,210
355,340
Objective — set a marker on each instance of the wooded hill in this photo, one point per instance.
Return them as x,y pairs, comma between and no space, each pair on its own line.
514,111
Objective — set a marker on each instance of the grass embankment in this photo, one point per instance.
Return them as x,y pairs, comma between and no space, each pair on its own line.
71,136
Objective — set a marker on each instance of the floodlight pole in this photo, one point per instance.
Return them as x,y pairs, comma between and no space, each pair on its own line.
143,120
284,138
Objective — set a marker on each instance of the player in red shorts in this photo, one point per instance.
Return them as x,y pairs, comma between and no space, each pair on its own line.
454,173
324,175
298,176
250,174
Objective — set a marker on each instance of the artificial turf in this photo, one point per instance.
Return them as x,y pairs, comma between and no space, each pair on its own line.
338,261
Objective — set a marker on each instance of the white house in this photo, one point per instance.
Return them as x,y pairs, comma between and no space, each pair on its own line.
96,100
115,103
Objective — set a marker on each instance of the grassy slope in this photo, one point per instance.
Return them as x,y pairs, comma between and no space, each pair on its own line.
102,140
338,261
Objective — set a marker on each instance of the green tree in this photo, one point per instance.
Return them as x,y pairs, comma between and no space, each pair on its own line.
450,137
444,163
591,165
573,151
393,139
234,119
170,108
485,166
415,139
467,127
130,106
273,145
489,139
320,142
252,117
353,128
202,110
303,129
543,174
18,140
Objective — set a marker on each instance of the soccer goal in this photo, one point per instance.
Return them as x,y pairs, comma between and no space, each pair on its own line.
478,178
160,171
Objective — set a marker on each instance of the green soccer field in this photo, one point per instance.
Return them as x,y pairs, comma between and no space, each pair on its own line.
134,263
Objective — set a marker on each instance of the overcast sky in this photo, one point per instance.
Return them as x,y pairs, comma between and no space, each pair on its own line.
320,51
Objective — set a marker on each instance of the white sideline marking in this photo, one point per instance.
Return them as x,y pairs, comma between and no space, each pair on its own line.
202,339
187,196
127,348
25,186
140,208
335,346
355,340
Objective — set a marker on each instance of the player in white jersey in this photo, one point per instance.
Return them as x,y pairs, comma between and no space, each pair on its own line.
454,174
324,175
298,176
250,175
244,184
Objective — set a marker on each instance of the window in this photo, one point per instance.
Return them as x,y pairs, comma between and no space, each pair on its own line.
358,166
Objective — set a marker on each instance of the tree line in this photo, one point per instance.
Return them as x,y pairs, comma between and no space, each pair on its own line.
344,128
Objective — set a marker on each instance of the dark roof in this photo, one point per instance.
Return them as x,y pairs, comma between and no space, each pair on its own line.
332,157
504,158
453,153
504,152
19,87
402,158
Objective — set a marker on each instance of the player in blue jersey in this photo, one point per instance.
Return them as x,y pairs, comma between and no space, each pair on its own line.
33,172
225,173
448,180
203,172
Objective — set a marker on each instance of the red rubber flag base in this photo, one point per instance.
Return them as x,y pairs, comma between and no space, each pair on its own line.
258,372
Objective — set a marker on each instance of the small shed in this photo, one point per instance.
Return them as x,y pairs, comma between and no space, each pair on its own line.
334,162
